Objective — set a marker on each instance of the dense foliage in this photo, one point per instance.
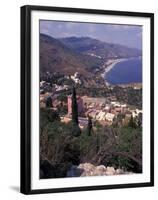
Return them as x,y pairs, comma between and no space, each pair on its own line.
110,146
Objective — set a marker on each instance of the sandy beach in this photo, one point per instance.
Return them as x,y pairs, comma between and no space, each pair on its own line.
109,65
112,64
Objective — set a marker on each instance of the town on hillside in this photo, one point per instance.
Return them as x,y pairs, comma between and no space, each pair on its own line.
105,110
97,128
90,101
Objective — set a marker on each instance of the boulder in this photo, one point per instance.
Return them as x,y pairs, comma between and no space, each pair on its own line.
99,170
119,171
110,171
88,169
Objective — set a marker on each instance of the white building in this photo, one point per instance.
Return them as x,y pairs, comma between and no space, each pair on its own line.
42,83
109,117
115,104
123,105
76,78
136,112
101,115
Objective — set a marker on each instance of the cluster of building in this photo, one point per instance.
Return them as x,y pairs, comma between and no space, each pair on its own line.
99,110
76,78
104,110
58,88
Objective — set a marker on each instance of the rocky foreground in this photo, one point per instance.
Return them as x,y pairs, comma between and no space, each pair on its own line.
88,169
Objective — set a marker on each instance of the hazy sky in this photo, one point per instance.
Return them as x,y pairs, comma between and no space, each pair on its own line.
128,35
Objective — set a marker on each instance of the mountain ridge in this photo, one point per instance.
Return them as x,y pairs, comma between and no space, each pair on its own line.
57,57
84,55
105,50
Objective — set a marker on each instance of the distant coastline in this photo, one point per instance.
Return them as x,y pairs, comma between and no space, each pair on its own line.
109,67
114,62
110,64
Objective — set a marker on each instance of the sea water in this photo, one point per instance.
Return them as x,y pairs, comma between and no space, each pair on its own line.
127,71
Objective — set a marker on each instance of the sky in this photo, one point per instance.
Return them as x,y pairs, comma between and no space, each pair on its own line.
128,35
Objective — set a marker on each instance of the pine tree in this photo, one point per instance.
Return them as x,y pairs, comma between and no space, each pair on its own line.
74,107
49,102
132,123
89,127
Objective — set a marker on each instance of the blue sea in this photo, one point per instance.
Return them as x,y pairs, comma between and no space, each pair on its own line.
127,71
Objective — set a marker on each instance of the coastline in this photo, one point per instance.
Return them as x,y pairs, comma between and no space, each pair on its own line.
114,62
110,66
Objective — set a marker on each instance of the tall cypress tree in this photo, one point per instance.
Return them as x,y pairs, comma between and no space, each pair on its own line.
49,102
132,122
74,107
89,127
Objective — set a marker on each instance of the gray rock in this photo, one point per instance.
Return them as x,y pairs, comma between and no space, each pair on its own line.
119,171
88,169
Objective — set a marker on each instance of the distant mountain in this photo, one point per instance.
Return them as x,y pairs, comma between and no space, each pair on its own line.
57,57
98,48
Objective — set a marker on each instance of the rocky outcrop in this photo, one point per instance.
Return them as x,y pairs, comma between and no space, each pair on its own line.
88,169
